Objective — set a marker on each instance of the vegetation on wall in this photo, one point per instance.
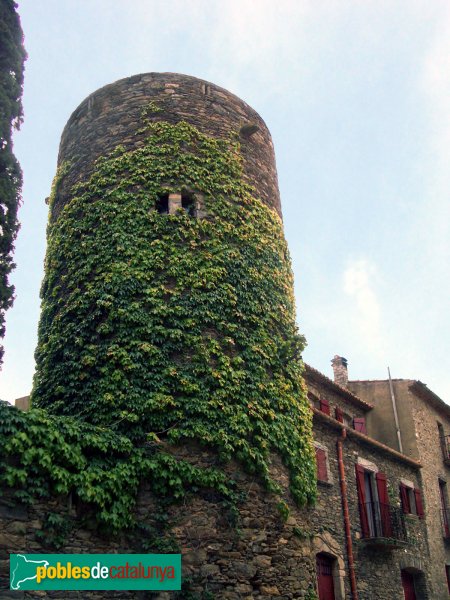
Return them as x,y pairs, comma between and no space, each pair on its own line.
158,329
12,58
44,456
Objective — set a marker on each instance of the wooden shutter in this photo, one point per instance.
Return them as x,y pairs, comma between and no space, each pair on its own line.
406,507
321,461
419,505
359,424
324,406
383,500
339,414
362,501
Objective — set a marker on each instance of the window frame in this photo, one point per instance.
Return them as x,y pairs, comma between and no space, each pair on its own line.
323,449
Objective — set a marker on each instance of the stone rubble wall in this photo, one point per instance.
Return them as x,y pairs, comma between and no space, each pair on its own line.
112,116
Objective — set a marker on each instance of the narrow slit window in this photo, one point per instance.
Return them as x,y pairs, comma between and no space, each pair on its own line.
188,204
162,204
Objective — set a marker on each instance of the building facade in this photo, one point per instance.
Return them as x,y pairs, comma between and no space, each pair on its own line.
422,433
169,408
370,537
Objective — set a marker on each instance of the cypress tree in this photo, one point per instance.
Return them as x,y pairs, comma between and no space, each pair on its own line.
12,58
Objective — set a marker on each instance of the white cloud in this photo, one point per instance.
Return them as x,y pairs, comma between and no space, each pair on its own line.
365,311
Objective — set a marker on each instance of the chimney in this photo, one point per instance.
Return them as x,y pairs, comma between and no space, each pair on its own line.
339,364
23,403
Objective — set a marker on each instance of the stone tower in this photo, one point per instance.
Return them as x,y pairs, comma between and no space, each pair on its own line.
167,304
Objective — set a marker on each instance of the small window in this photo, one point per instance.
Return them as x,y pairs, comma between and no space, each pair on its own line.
348,420
447,572
359,424
162,204
444,441
324,406
321,462
188,204
339,414
411,499
444,508
323,468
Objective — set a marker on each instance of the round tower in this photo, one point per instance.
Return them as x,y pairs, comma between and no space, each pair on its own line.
167,303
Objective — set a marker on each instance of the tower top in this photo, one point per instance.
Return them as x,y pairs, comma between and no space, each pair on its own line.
112,115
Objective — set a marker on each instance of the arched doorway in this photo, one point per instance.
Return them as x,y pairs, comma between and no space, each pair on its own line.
325,580
409,586
414,581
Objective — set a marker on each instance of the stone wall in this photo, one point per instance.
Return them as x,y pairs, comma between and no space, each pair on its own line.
378,569
419,412
262,554
426,419
112,116
259,554
320,386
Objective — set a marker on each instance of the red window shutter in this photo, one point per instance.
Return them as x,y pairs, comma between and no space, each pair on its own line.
324,406
406,507
321,461
359,424
362,501
383,499
339,414
419,505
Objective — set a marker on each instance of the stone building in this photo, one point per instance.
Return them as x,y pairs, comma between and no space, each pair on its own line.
370,535
368,542
420,429
168,353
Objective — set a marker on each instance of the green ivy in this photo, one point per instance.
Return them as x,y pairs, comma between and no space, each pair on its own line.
45,455
54,532
161,329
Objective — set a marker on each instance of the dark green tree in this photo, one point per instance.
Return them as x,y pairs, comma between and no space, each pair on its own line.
12,58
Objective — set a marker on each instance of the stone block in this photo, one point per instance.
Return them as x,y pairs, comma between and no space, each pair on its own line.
269,590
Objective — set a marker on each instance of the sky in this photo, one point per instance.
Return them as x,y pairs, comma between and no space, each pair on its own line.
356,96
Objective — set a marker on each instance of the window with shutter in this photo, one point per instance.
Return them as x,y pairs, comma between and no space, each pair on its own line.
411,499
444,509
338,413
384,508
359,424
321,462
419,505
404,497
324,406
360,485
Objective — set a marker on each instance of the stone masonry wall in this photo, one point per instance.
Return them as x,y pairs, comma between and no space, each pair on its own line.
426,420
258,556
419,420
336,400
112,116
377,569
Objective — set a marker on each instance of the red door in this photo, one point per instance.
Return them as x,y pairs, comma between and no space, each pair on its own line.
324,566
408,586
